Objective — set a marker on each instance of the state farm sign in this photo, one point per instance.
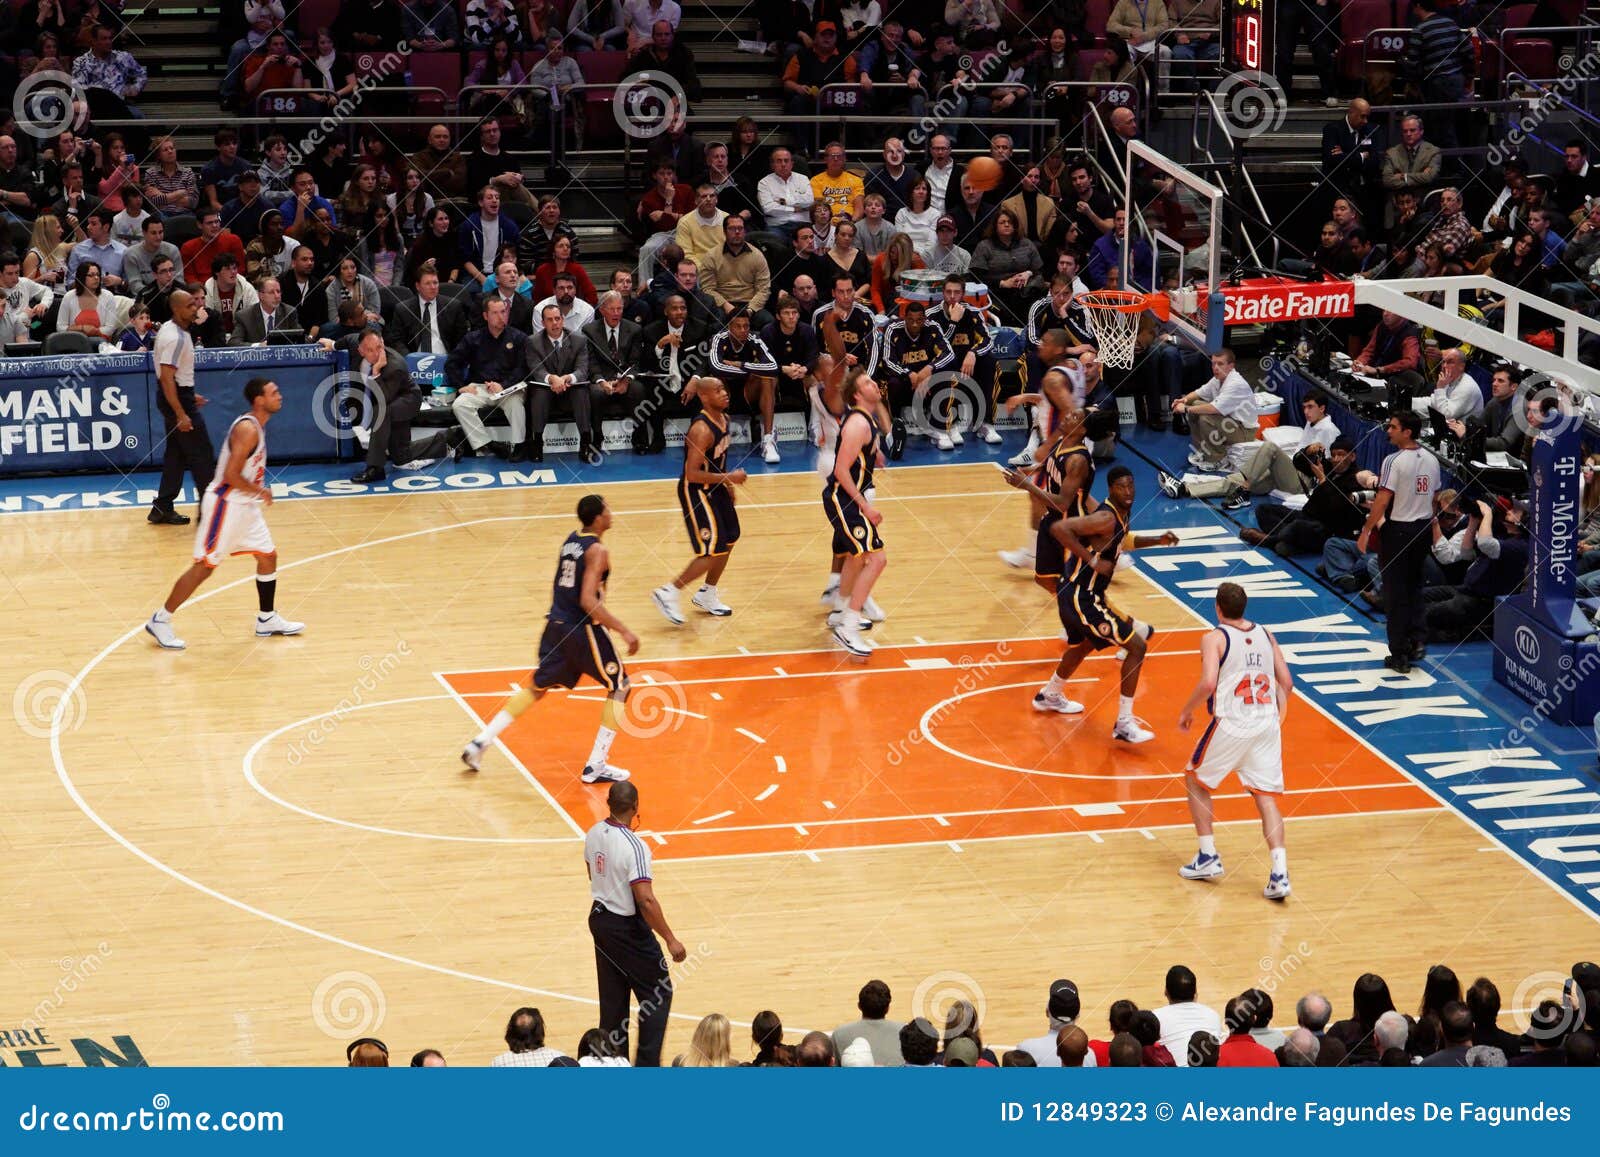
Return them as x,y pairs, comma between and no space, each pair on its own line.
1255,303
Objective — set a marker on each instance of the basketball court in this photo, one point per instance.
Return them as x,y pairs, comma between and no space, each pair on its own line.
256,850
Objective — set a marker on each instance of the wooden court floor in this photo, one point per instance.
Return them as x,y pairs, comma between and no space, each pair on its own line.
268,848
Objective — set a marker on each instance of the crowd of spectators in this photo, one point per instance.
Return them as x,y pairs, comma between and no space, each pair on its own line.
1454,1026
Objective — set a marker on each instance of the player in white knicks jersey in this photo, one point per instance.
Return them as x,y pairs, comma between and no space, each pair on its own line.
232,520
1245,685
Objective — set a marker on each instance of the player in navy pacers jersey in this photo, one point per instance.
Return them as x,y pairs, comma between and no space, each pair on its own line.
705,493
1059,489
1091,543
1245,685
575,643
851,514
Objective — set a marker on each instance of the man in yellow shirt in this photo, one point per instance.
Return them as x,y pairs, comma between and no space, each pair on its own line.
700,233
843,191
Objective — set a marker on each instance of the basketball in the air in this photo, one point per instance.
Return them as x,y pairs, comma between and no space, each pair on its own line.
983,173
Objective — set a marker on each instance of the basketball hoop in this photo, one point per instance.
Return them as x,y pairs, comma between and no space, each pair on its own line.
1114,316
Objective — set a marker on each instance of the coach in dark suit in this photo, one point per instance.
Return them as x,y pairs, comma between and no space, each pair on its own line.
396,400
675,347
251,326
430,324
1352,155
558,366
614,348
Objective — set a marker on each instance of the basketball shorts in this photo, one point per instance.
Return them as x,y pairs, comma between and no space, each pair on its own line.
228,527
1252,749
1049,556
852,532
569,651
1090,618
710,516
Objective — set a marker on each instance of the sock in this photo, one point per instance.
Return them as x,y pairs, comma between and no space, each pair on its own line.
162,615
1280,861
1208,845
833,583
709,589
839,601
1143,630
266,589
1055,685
514,707
602,746
1124,707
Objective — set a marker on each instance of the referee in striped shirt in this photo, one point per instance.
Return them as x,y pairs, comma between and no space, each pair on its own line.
624,921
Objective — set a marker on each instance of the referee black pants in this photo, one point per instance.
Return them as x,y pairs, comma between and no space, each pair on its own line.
190,452
629,961
1403,549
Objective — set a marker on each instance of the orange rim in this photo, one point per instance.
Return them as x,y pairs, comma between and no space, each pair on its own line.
1127,301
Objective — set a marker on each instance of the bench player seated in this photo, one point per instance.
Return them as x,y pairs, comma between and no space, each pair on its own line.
907,355
968,334
1093,623
747,368
793,345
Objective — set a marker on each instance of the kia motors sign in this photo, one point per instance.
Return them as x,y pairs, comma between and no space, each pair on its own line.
1261,301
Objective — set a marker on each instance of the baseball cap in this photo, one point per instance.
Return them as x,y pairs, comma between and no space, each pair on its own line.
945,222
961,1053
1064,1002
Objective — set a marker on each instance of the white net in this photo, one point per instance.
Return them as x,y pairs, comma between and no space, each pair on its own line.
1114,317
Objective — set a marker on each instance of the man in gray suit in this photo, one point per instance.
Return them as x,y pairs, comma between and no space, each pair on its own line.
267,316
395,401
614,353
559,368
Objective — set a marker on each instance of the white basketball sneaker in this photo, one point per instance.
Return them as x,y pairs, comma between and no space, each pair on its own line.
666,601
1202,867
944,442
837,619
163,634
769,450
956,435
847,638
872,612
1057,702
711,603
831,589
276,624
1277,887
472,754
989,434
1129,731
1024,457
604,772
1021,559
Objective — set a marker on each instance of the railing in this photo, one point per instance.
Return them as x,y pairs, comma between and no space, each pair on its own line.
1397,295
1583,36
846,101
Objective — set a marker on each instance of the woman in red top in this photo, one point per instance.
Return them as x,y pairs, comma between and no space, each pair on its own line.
544,277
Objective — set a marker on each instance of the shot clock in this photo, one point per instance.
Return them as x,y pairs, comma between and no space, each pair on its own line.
1247,36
